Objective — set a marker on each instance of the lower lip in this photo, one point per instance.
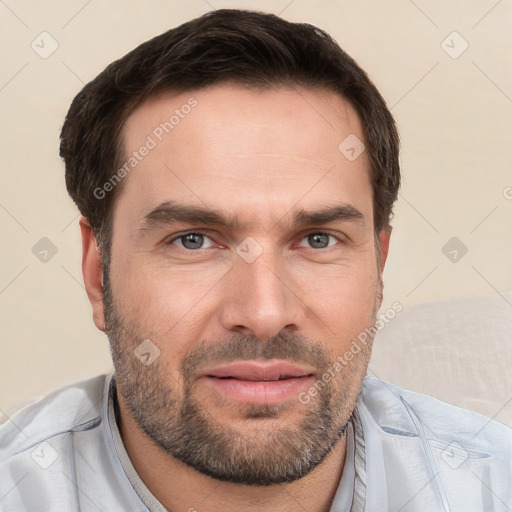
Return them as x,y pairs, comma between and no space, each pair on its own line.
260,392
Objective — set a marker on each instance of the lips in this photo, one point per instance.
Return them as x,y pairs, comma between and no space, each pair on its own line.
258,382
259,371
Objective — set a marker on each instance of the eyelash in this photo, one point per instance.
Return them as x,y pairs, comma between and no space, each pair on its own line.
204,233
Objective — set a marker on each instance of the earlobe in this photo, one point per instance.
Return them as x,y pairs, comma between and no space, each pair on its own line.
92,271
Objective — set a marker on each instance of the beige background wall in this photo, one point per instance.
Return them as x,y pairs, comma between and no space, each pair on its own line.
454,116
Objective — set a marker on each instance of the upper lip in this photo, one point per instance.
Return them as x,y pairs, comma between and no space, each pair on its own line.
254,370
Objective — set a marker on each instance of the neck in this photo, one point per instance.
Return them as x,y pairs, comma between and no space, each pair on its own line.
179,487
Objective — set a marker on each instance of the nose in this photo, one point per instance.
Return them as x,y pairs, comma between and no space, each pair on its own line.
260,298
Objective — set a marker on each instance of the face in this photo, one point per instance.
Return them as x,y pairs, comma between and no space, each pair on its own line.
243,264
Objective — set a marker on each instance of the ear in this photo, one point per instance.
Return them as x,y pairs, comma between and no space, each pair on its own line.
384,236
92,271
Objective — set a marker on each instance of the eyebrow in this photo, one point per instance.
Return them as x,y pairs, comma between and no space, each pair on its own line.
169,212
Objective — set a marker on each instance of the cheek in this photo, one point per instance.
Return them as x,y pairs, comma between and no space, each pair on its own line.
164,303
346,289
343,307
154,288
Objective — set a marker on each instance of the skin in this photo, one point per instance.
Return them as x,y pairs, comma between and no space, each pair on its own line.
258,155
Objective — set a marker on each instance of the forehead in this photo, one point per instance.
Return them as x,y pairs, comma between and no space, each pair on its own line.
252,152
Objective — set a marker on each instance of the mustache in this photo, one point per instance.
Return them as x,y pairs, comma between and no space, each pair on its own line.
286,346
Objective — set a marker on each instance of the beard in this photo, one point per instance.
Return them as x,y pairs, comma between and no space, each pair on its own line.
257,453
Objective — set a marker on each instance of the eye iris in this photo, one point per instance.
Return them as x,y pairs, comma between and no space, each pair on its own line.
319,240
192,241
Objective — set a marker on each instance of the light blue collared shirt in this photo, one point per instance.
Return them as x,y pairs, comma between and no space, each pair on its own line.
406,452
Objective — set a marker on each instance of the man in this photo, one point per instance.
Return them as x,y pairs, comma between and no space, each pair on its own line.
236,177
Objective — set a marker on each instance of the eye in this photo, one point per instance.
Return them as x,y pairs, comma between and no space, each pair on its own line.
320,240
195,240
191,241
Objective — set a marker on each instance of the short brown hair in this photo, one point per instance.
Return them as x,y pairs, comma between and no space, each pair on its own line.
249,48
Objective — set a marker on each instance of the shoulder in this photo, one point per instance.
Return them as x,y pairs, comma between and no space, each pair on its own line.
427,454
72,408
403,412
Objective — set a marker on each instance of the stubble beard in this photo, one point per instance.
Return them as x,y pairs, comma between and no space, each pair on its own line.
176,422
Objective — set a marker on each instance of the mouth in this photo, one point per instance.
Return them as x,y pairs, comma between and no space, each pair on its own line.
259,382
284,377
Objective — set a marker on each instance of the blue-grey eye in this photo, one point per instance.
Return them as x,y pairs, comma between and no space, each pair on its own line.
320,240
191,241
